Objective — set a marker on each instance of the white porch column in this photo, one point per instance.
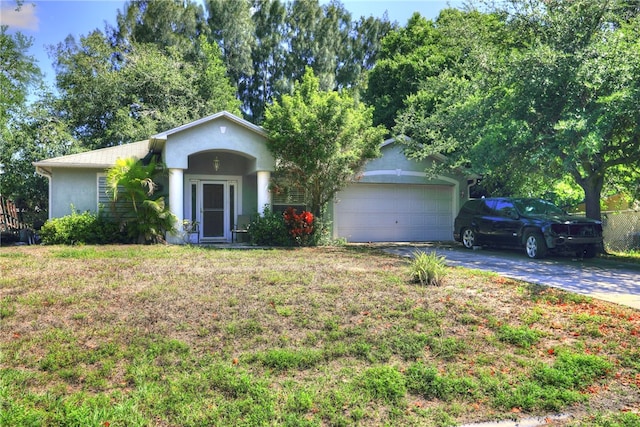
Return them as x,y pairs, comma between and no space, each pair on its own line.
176,202
264,195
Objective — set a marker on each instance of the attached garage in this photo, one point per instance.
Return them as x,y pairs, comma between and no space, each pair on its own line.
394,212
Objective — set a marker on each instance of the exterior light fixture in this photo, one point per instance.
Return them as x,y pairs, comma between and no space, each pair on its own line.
216,164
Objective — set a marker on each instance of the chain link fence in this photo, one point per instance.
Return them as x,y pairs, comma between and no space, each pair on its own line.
621,230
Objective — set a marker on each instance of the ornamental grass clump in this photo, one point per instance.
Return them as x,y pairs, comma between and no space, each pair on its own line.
428,268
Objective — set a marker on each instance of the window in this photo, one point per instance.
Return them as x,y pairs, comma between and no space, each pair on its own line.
505,208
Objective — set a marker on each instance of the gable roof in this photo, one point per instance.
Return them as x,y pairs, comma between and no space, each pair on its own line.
223,114
103,158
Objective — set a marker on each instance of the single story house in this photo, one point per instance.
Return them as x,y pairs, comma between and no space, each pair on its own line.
220,168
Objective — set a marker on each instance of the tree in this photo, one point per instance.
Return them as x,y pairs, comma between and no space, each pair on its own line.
113,94
232,28
267,44
560,101
35,133
167,24
268,78
19,76
19,73
576,91
407,57
320,140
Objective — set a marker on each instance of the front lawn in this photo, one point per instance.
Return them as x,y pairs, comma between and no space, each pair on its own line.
183,336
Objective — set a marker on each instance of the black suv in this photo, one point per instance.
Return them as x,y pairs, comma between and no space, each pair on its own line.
537,225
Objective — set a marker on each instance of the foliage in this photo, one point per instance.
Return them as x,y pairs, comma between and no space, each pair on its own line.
320,140
269,229
300,226
20,73
551,98
166,24
148,219
283,229
136,90
401,66
34,134
428,269
267,46
19,77
80,228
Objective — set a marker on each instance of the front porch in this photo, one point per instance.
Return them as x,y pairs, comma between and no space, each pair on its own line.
215,198
219,169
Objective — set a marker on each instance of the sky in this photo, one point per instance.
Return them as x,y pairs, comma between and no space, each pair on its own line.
49,22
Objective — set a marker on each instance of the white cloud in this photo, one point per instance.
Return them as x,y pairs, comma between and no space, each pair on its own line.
24,19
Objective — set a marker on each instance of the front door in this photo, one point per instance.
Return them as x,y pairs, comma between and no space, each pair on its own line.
214,206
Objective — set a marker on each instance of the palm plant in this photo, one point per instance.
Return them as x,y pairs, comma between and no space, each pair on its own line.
146,218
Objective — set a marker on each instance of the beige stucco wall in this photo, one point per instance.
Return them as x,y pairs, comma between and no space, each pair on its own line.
209,136
71,186
393,167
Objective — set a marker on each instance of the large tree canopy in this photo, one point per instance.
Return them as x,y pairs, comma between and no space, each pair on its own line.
36,133
19,73
562,102
267,45
116,94
320,140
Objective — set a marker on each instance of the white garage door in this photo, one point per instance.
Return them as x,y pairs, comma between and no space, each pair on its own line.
394,213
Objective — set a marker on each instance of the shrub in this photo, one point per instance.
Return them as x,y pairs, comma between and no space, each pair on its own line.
428,268
283,229
269,229
299,226
80,228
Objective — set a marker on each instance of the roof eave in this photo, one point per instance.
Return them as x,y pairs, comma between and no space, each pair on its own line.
45,164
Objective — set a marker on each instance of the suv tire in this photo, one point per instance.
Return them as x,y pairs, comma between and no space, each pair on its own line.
468,238
535,246
590,251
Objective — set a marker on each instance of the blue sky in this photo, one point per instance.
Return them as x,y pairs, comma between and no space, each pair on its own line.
49,22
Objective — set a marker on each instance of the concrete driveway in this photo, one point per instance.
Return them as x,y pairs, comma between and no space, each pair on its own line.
603,279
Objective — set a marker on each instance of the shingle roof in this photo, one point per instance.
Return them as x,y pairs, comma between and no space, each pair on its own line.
100,159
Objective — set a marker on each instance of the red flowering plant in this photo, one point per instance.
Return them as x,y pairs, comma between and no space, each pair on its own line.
299,225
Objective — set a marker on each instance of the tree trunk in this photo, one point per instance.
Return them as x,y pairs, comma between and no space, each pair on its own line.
592,187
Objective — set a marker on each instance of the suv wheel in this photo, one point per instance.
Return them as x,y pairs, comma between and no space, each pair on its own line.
468,238
535,246
590,251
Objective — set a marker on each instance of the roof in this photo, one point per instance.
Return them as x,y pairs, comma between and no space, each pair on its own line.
100,159
244,123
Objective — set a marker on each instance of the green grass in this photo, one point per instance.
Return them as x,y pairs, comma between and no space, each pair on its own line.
186,336
632,256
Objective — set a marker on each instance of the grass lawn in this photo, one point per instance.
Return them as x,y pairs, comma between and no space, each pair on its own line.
183,336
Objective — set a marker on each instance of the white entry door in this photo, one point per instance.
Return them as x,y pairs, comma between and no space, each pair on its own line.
217,204
214,207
